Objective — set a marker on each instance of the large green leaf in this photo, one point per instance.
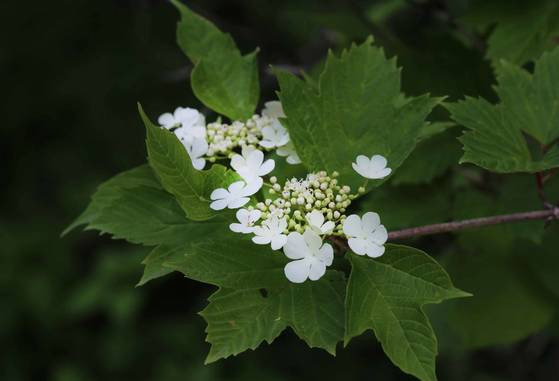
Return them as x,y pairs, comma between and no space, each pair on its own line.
222,78
239,320
133,206
529,104
357,109
315,310
172,165
523,31
387,295
230,260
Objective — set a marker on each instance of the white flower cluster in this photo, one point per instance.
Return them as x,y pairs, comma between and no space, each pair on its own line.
216,141
296,216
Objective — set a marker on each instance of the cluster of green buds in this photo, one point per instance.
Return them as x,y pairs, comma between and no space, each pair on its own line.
223,139
298,197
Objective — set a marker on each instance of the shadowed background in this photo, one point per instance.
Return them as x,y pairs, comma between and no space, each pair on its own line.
72,72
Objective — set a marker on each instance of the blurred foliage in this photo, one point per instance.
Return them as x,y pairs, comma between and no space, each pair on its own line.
72,72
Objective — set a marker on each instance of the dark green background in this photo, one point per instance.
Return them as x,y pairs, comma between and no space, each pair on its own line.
72,72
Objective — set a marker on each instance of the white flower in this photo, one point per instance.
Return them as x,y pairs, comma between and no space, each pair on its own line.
271,231
196,149
247,218
289,151
366,235
273,110
317,225
373,168
235,196
186,134
312,256
251,164
182,117
274,135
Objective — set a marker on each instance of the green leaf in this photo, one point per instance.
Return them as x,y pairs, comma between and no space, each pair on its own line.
239,320
523,31
230,260
172,165
387,295
223,79
134,207
357,109
529,104
155,262
315,310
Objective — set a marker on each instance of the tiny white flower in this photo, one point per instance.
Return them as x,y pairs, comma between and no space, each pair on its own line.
251,164
365,235
373,168
271,231
288,151
310,254
273,110
235,196
247,218
196,148
274,135
182,117
317,224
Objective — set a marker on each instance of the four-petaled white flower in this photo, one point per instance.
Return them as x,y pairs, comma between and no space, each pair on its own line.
271,231
317,224
274,135
235,196
373,168
182,117
247,218
187,134
365,235
196,149
310,254
289,151
251,164
273,110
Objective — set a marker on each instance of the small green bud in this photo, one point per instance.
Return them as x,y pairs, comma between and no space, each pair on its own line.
273,179
361,189
335,174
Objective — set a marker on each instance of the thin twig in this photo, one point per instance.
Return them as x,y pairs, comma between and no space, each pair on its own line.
548,214
395,235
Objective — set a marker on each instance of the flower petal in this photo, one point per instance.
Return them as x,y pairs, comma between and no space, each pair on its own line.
326,254
253,186
236,188
166,120
254,159
352,226
219,193
266,167
379,236
278,241
261,240
199,164
295,247
240,228
317,269
373,250
378,162
219,204
297,271
312,240
328,227
315,218
237,162
370,221
357,245
237,202
360,170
